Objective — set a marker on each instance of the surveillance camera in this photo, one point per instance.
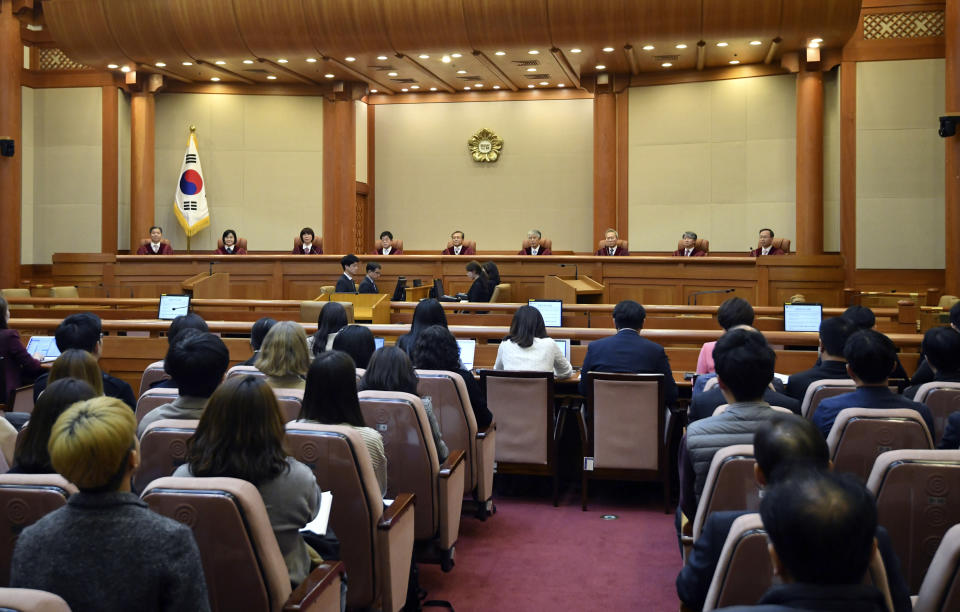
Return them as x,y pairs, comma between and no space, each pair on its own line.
948,126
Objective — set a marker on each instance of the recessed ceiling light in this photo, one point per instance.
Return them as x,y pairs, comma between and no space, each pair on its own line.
404,89
350,58
125,69
283,61
433,89
467,88
423,56
160,65
721,44
187,63
734,62
311,60
496,87
561,85
600,67
221,62
382,58
755,43
461,72
666,64
530,86
608,49
478,85
648,47
271,77
531,69
374,90
446,59
329,75
392,74
500,53
544,83
681,46
575,50
455,55
533,52
247,61
112,66
214,79
816,40
414,87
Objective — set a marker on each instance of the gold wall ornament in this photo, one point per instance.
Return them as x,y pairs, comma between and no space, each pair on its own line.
485,146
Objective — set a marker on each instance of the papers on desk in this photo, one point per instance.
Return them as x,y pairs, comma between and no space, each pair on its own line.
319,523
781,377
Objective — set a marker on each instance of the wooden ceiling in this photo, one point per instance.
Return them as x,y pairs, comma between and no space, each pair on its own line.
436,45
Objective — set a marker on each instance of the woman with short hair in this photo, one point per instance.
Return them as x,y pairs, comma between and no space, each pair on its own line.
528,347
77,363
230,246
283,356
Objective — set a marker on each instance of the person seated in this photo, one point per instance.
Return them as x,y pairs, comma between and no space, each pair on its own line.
240,435
733,312
332,318
428,312
191,321
307,246
105,550
493,273
386,245
437,349
456,246
157,245
351,267
863,318
480,288
610,247
81,365
32,456
532,245
196,363
941,345
330,398
283,356
706,402
257,333
528,347
834,333
766,244
356,341
369,282
871,357
924,373
688,246
19,366
391,370
230,245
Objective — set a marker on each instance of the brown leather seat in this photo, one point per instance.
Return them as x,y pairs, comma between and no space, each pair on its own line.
820,390
701,244
859,435
163,448
25,499
602,244
242,243
624,431
779,243
146,241
31,600
395,245
151,374
414,468
502,293
376,544
310,309
467,244
730,485
317,243
289,401
241,559
940,590
152,398
454,412
545,243
943,399
242,370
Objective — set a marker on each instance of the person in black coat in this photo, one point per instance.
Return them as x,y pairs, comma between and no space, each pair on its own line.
480,290
369,282
351,268
436,349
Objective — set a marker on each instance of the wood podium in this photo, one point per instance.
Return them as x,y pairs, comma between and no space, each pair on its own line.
581,290
206,286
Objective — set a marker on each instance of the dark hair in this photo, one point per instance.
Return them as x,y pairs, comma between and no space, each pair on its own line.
229,231
834,333
348,260
493,273
691,235
462,235
197,361
356,341
861,316
333,318
386,233
307,230
390,370
475,267
188,321
822,526
428,312
734,311
259,331
941,345
153,227
955,315
629,314
527,324
240,434
436,349
3,313
373,266
744,363
79,331
870,355
32,456
330,396
766,229
787,441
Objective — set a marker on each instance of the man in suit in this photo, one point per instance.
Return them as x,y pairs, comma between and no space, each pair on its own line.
533,245
307,247
703,404
688,248
627,352
766,244
834,333
457,247
386,245
156,246
924,373
369,282
863,318
351,267
610,247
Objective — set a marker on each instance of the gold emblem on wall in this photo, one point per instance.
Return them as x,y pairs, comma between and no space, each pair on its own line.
485,146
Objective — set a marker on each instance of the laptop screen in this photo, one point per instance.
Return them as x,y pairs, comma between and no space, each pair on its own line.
564,346
551,310
468,346
173,306
378,343
44,346
802,317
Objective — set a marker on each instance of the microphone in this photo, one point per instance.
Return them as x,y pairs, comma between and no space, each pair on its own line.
576,270
694,295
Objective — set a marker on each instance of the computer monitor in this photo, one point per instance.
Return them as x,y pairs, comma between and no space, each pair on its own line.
551,310
44,347
564,345
378,343
468,347
802,317
173,306
437,291
400,291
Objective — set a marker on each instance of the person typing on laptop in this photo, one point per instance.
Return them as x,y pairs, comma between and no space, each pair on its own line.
19,366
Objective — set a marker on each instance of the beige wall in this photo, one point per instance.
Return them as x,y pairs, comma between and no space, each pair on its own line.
717,158
427,185
361,132
831,161
262,159
27,153
900,164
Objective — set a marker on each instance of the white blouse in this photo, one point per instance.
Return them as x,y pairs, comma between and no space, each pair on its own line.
542,356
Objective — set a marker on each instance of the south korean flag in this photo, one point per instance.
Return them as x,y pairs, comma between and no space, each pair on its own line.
190,203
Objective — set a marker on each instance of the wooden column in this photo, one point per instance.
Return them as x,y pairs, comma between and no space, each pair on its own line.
142,105
952,173
604,164
109,174
809,161
342,232
848,170
11,63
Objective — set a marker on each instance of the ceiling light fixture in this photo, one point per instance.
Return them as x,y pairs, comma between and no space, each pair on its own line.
457,55
112,66
608,49
500,53
271,77
814,45
816,40
404,89
284,61
423,56
374,90
391,74
214,79
478,85
496,87
329,75
666,64
561,85
755,43
600,67
446,59
125,69
221,62
350,58
648,47
311,60
681,46
467,88
734,62
382,58
574,50
160,65
187,63
531,69
721,44
544,83
533,52
530,86
461,72
414,87
247,61
433,89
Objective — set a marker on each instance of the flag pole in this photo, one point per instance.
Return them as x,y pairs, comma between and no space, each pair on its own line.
193,131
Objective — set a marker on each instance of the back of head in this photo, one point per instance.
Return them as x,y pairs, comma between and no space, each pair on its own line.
79,331
476,268
861,316
183,322
955,315
744,363
941,345
332,318
356,341
90,442
870,355
284,351
492,272
786,442
527,324
822,526
197,362
629,314
330,396
76,363
436,349
32,454
834,333
259,331
733,312
390,370
428,312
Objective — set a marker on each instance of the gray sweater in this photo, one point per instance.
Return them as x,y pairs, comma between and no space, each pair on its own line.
109,552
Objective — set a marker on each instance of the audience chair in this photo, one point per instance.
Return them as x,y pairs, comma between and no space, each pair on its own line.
622,433
376,543
31,600
545,243
820,390
153,398
502,293
943,399
522,407
310,309
918,499
602,244
290,401
413,467
317,243
68,291
467,244
723,408
730,485
454,412
241,559
940,591
946,302
152,374
22,399
163,448
25,499
242,243
242,370
701,244
859,435
710,384
16,292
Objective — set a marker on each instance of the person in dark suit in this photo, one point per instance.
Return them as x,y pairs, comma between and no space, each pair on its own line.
834,333
766,244
230,247
924,372
156,246
480,290
458,248
351,267
863,318
533,245
610,247
703,404
307,247
689,241
257,333
369,282
386,245
627,352
18,365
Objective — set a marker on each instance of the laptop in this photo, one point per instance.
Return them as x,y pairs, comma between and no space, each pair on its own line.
468,347
173,306
378,343
551,310
802,317
44,348
564,346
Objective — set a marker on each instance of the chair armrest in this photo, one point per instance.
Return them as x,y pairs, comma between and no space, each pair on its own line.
395,551
319,591
486,450
450,486
393,513
453,460
490,429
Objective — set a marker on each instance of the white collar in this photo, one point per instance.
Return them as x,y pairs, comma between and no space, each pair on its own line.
766,251
347,274
155,246
534,250
228,249
456,249
688,251
386,250
307,247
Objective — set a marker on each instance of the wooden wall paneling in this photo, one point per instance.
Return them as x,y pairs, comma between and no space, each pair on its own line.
753,19
605,163
11,65
952,157
347,27
623,163
272,27
60,80
498,24
848,168
81,29
860,49
830,20
906,281
671,77
109,173
146,32
644,292
142,155
371,173
426,25
480,96
809,161
340,231
208,29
